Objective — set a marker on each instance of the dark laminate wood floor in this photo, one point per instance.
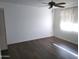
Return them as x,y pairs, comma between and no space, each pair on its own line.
42,49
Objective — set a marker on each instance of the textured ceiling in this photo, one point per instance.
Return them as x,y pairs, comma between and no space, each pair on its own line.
39,2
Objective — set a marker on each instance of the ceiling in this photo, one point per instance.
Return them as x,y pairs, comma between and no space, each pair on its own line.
38,3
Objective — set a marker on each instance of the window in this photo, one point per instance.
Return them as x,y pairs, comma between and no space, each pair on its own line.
69,19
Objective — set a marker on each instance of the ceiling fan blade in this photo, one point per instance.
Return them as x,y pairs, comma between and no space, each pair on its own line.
61,3
43,6
44,3
59,6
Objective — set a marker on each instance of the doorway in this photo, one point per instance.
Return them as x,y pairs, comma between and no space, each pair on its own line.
3,41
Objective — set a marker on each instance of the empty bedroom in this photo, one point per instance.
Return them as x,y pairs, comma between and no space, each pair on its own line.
38,29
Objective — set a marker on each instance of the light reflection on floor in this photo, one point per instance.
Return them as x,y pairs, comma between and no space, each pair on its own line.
65,51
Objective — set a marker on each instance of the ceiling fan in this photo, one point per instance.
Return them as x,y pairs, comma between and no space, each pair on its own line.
52,3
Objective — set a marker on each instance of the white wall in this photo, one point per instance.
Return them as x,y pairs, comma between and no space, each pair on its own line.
25,23
69,36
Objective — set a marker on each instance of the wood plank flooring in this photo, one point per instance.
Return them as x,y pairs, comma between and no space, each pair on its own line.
43,49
